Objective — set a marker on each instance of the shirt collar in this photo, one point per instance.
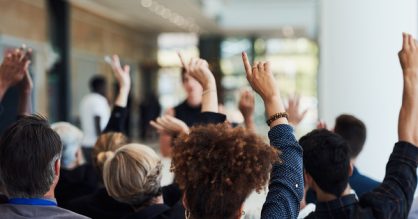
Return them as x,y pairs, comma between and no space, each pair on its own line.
337,203
33,201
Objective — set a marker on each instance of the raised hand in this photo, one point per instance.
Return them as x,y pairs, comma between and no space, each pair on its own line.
121,74
321,125
261,78
199,70
170,125
246,104
295,115
408,118
12,69
246,107
263,82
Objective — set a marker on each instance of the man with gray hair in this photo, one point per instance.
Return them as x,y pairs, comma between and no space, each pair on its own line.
30,154
77,177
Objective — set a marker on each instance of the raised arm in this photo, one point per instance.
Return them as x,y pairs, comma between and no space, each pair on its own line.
12,69
118,116
393,198
286,183
293,108
408,116
25,99
246,107
199,69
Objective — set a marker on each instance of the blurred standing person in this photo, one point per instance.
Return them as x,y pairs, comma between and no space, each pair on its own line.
94,114
187,111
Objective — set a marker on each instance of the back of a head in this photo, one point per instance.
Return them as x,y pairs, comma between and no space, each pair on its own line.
133,175
28,152
106,144
71,138
326,159
353,131
218,167
98,84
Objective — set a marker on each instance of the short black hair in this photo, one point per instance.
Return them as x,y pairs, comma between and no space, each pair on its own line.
28,151
353,131
326,159
97,83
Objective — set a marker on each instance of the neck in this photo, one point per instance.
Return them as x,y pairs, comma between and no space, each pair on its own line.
194,100
326,197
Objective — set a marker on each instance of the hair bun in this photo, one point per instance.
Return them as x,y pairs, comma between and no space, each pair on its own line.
103,156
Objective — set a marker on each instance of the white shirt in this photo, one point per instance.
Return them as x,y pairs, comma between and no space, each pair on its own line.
93,105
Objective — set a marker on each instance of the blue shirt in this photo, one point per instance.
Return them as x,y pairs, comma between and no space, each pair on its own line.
286,183
361,183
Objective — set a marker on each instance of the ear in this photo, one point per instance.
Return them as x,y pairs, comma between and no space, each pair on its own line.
57,167
308,180
350,169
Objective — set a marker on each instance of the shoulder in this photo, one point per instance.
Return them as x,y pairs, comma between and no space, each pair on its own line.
64,213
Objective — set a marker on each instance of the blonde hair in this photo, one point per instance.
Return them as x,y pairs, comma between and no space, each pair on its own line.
133,175
105,145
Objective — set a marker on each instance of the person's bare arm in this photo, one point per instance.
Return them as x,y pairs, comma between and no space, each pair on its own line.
25,99
246,107
408,116
124,81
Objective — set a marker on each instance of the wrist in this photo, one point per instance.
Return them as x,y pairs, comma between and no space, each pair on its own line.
210,84
124,90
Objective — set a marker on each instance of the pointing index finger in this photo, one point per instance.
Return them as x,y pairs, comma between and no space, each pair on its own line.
183,63
247,64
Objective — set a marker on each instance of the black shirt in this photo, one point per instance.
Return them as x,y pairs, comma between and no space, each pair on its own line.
187,113
100,205
75,183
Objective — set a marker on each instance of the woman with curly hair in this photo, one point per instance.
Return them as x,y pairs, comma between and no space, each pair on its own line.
217,167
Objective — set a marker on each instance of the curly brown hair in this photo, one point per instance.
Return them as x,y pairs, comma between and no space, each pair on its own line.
217,167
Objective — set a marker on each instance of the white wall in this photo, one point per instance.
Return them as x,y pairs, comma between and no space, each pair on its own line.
360,72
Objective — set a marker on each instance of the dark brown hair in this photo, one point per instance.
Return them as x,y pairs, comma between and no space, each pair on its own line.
217,167
353,131
28,151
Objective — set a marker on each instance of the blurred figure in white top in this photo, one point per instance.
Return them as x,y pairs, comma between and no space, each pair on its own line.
94,114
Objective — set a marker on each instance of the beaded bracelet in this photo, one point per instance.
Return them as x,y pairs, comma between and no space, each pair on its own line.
276,117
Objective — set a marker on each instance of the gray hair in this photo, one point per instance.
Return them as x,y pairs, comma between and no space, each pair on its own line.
71,138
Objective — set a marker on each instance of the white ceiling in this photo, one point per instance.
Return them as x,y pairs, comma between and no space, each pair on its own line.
230,17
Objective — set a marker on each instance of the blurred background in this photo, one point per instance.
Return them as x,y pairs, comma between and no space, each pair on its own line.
339,56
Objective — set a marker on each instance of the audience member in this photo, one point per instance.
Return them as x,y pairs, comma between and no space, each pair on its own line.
29,169
327,160
132,175
99,204
186,111
77,178
227,175
94,114
354,132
